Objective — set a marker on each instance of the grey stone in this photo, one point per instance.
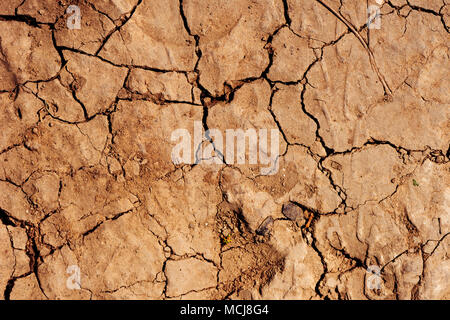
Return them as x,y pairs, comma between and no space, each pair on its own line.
265,226
292,211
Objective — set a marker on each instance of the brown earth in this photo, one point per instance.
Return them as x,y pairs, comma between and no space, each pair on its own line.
87,178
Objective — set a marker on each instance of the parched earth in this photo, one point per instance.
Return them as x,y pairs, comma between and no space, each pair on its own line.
93,207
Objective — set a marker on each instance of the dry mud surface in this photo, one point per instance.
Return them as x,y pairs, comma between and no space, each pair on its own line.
93,207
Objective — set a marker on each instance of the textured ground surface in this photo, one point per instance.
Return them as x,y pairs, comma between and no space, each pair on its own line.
87,180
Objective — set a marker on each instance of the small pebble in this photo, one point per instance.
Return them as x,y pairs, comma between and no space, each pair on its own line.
265,226
292,211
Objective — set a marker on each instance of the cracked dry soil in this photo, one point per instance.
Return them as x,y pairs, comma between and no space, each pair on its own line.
87,180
